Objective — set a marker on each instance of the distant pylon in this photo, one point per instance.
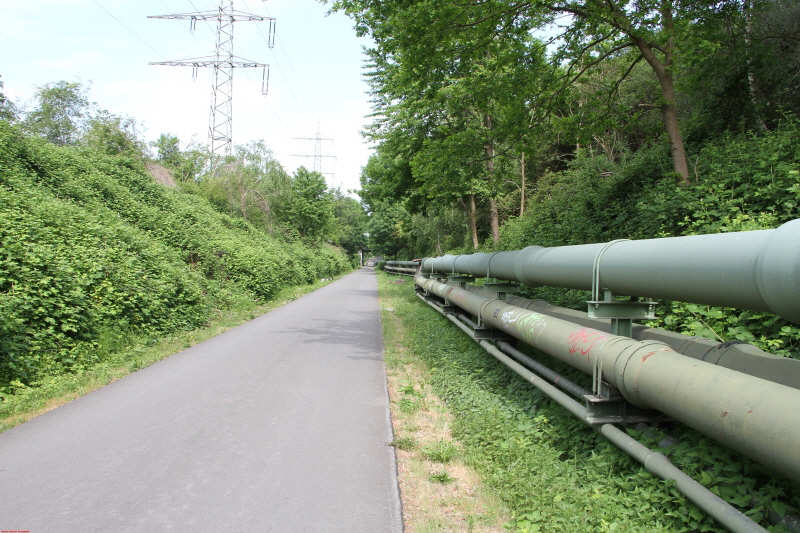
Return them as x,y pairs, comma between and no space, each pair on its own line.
220,129
318,155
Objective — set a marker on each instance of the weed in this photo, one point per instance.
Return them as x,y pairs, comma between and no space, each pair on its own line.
441,477
409,406
442,451
404,443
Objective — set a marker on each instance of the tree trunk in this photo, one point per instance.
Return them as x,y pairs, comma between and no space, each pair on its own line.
522,188
751,82
669,110
494,218
473,221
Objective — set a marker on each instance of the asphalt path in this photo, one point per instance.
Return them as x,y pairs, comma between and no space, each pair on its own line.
281,424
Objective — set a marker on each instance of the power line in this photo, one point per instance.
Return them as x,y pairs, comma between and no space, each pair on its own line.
127,28
134,33
288,84
291,66
170,11
299,85
271,107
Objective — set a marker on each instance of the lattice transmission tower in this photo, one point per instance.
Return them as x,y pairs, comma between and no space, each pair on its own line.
220,129
318,155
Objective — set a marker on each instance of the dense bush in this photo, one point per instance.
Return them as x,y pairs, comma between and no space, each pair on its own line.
91,247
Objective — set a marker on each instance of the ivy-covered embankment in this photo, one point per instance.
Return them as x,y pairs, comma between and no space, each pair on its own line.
95,256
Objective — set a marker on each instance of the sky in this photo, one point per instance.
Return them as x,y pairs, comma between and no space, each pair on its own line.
316,77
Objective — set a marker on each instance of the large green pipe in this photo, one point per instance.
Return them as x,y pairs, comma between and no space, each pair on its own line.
758,418
741,357
757,270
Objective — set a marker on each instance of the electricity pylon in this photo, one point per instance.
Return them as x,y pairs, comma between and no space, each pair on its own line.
220,130
318,155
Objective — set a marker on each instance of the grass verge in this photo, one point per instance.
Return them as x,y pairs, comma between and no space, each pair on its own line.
440,492
137,352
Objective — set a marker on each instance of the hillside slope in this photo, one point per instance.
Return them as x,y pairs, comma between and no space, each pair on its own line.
92,249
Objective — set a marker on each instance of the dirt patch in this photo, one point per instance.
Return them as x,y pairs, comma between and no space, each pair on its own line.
160,174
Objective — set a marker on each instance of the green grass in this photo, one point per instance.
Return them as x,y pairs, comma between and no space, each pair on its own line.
404,443
554,473
442,451
441,477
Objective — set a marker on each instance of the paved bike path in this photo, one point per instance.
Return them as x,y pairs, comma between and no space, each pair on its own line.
279,425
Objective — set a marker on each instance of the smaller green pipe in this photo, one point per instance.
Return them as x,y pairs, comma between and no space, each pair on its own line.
655,462
551,375
753,416
414,264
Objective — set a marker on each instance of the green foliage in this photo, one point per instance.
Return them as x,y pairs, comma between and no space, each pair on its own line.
168,150
60,114
442,477
112,135
308,211
93,250
252,186
554,473
404,443
386,229
351,223
8,111
442,451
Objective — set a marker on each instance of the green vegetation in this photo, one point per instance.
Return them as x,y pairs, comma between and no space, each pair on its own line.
503,124
130,353
477,112
554,473
436,498
98,260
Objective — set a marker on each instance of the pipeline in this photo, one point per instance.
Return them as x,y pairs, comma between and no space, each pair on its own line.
741,357
655,462
755,417
756,270
404,268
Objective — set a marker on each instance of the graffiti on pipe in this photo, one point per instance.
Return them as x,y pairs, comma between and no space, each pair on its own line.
531,325
583,340
507,318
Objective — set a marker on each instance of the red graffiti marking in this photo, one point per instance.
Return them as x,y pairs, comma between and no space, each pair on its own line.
583,340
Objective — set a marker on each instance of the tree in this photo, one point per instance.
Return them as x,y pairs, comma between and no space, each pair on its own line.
454,102
61,113
387,229
593,32
742,67
113,135
307,208
8,110
168,150
251,185
351,223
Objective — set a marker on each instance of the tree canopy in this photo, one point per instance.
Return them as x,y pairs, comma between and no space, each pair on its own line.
476,101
